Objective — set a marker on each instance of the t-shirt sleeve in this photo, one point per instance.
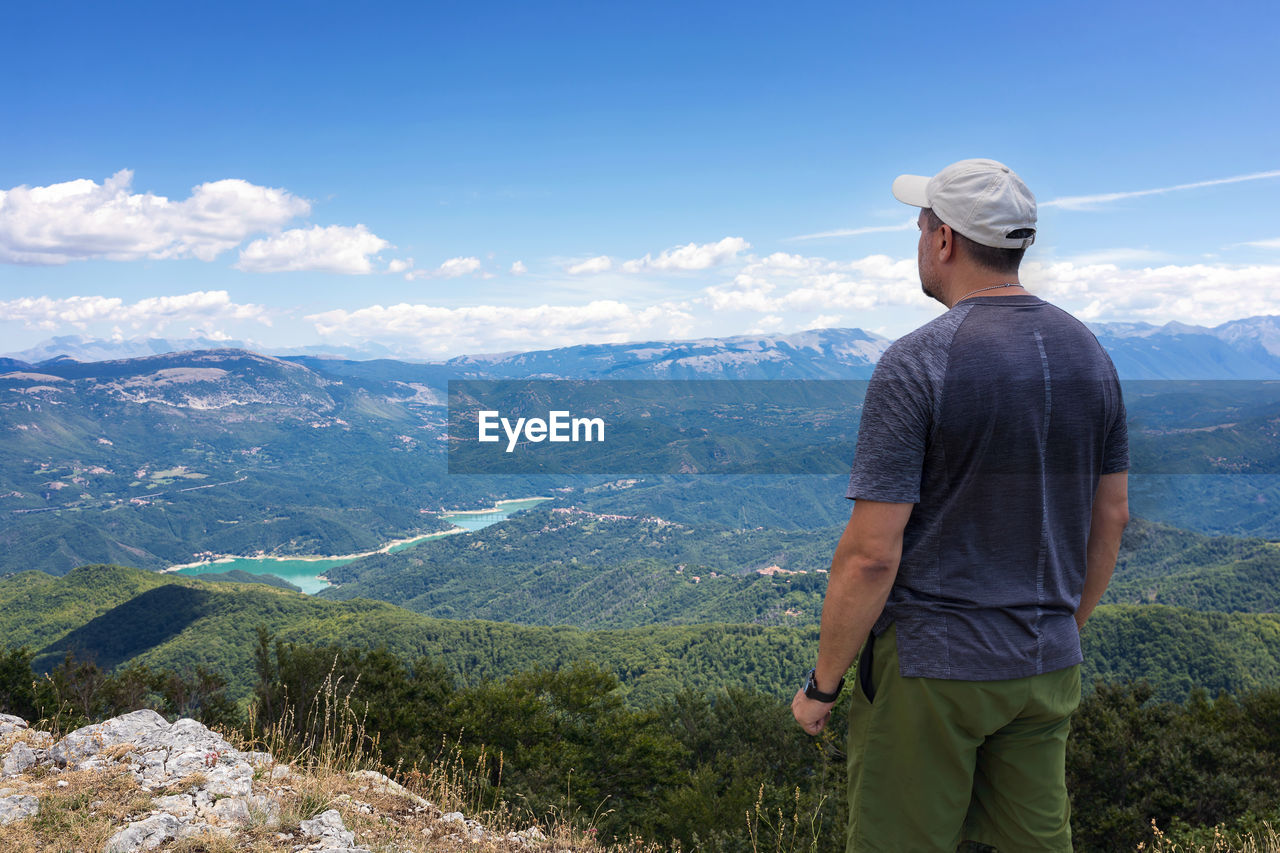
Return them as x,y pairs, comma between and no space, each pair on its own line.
897,415
1115,451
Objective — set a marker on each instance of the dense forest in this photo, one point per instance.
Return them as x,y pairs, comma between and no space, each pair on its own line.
559,565
720,770
117,616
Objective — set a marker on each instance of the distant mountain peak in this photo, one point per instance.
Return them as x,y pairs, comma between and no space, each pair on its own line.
812,354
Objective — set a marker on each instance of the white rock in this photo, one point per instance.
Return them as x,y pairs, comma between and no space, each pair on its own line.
453,817
189,830
20,759
18,807
10,724
389,785
329,828
265,808
232,810
39,741
533,833
161,753
181,805
144,834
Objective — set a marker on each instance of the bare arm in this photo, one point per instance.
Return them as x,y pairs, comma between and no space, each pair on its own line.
1110,515
862,573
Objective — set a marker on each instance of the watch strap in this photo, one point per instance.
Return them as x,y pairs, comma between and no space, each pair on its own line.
811,690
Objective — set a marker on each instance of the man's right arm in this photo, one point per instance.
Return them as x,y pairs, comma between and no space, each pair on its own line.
1110,516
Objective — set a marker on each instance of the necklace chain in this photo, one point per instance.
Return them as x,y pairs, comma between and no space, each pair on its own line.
980,289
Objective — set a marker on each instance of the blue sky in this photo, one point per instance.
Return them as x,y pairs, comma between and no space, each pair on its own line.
446,178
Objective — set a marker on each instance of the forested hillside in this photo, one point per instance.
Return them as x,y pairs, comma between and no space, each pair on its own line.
566,565
119,616
563,565
1159,564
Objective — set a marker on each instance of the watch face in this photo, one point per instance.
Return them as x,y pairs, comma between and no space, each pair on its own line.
811,684
811,690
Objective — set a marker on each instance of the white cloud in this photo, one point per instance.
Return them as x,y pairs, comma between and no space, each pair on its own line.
434,330
201,307
1264,244
824,321
398,265
81,219
1084,202
786,282
766,324
334,248
600,264
853,232
792,285
1204,294
452,268
518,268
455,267
691,256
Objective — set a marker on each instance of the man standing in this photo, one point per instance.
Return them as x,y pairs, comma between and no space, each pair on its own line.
990,489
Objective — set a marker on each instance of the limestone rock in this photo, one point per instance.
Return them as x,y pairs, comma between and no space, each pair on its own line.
158,753
17,807
379,782
179,805
231,810
144,834
189,830
200,785
329,829
10,724
19,759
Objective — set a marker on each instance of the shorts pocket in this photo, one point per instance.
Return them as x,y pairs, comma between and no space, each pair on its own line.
866,679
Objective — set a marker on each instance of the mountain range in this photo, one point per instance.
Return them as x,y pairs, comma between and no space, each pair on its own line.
157,460
1240,349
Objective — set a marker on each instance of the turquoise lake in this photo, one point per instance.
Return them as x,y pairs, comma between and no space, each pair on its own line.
305,572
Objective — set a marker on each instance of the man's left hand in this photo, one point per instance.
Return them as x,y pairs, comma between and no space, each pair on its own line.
811,714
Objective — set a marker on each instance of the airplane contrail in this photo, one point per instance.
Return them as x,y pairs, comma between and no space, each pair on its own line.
1080,202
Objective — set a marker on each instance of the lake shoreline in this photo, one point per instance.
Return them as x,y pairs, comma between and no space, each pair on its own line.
312,558
226,559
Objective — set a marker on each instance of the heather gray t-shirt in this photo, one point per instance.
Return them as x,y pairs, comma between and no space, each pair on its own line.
996,420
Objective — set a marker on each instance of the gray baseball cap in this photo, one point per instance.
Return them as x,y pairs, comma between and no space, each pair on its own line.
984,200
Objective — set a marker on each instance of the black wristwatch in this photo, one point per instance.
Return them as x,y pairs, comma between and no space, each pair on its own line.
811,690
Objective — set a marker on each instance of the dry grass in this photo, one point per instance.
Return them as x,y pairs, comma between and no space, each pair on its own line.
316,767
119,751
1265,840
327,749
792,833
79,816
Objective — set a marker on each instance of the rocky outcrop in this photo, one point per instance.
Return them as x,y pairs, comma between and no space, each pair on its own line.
198,784
159,753
18,807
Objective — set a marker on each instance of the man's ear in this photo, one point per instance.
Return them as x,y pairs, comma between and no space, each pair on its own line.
947,248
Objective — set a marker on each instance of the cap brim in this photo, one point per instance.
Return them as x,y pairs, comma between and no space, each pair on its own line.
911,189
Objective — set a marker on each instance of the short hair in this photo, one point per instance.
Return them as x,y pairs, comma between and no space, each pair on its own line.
1005,261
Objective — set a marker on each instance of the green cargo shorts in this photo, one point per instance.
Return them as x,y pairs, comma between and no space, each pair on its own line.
934,763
